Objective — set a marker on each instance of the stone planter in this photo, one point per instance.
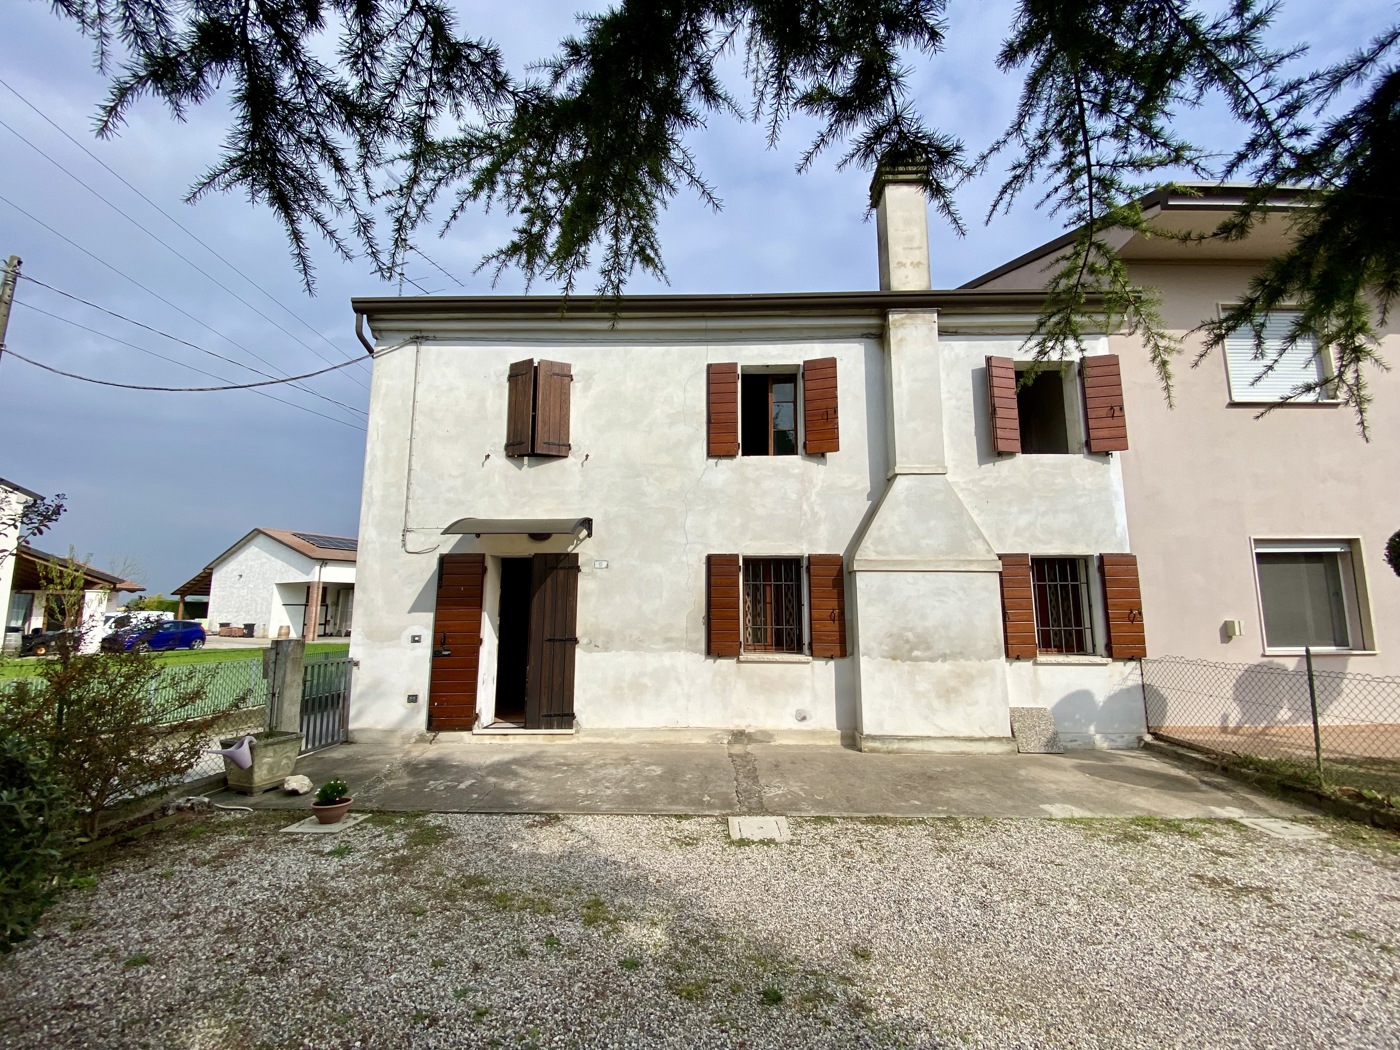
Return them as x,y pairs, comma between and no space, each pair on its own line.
274,759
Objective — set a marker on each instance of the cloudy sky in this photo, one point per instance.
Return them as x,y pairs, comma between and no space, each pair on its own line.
161,483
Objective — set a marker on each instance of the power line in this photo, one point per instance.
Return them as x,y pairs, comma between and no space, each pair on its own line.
189,233
173,251
172,338
177,389
125,276
175,361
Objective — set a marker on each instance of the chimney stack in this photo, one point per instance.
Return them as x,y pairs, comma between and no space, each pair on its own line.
901,223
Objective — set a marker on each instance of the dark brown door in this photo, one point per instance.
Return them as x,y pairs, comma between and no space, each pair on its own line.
549,697
456,642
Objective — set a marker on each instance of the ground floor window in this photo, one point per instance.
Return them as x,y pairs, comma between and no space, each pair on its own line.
773,605
1060,588
1308,594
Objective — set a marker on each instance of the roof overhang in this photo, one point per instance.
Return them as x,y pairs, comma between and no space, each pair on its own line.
532,527
30,576
197,585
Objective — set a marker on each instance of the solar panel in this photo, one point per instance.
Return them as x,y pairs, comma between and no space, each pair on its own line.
327,543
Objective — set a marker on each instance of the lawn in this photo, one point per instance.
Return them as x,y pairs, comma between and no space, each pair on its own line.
17,668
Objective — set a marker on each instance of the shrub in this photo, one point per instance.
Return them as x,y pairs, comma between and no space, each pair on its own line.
104,738
1392,553
331,792
35,822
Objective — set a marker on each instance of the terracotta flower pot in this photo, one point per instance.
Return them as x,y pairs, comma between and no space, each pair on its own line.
333,812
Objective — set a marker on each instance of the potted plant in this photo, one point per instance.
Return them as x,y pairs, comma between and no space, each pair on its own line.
332,801
274,758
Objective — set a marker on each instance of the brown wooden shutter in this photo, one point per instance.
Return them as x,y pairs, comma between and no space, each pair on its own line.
1103,404
723,412
553,382
722,600
819,419
826,597
456,642
520,409
1122,595
1018,607
1001,396
549,688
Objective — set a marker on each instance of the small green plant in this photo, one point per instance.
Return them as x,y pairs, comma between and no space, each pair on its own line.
631,963
139,959
35,817
343,850
861,953
1392,553
772,996
332,792
551,941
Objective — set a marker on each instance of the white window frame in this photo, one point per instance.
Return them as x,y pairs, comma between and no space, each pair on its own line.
1355,598
1243,391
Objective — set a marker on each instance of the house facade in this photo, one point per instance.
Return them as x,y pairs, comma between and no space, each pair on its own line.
13,499
1257,535
781,513
278,583
34,608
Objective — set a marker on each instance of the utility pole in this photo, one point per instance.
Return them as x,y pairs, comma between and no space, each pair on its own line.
7,295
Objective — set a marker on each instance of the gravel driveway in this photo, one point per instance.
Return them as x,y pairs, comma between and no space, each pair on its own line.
448,931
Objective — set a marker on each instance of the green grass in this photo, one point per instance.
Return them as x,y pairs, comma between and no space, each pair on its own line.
16,668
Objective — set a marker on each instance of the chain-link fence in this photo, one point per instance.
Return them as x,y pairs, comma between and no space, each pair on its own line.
240,684
1339,728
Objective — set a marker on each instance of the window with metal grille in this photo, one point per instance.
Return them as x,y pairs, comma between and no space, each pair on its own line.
773,605
1062,619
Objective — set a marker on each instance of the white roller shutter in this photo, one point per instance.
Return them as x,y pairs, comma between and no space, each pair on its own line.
1299,364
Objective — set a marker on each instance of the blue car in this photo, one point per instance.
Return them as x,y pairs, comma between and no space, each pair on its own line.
168,634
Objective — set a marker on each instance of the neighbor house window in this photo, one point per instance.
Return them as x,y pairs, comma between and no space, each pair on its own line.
773,605
1060,589
1040,407
1299,365
768,414
1309,595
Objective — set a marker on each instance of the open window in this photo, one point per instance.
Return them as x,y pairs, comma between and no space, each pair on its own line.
1041,410
1036,410
772,410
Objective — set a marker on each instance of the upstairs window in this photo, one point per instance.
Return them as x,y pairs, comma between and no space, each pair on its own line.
1300,363
1040,407
768,414
537,408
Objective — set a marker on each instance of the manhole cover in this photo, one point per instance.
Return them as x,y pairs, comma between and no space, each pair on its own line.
774,829
1282,829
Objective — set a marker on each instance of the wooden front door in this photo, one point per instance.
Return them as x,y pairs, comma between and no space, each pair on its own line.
549,696
456,642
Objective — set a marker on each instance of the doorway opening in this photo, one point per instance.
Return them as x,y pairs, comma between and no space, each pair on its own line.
513,651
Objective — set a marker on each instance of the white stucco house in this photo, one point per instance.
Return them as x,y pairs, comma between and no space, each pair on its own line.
804,515
279,583
13,499
31,611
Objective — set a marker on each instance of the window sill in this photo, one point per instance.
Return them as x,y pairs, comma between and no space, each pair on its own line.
774,658
1321,652
1329,402
1066,658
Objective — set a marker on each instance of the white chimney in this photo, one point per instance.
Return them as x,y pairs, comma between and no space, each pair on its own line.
901,222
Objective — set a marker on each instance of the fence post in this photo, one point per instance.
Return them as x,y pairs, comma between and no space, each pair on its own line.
284,684
1312,701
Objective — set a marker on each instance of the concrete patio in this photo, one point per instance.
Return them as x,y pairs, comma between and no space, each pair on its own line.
793,780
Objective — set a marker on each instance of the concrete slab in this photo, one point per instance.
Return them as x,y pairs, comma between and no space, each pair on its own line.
760,829
771,779
312,826
1283,829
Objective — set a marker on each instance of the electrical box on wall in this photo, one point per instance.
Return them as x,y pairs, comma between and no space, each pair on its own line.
1232,628
413,698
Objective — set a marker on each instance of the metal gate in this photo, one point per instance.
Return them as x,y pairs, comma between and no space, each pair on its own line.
325,702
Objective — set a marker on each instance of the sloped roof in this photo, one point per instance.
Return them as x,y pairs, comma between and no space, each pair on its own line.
318,546
27,577
5,483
